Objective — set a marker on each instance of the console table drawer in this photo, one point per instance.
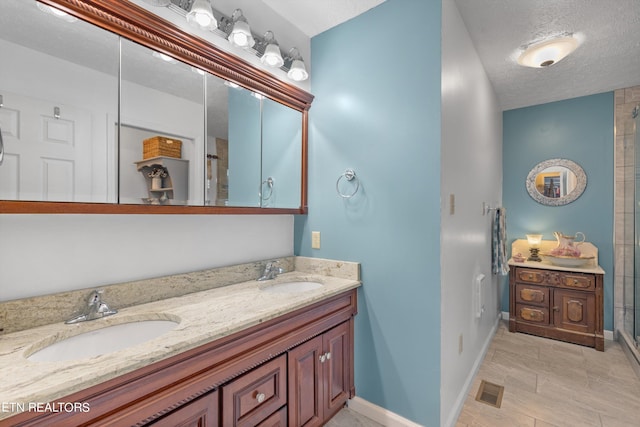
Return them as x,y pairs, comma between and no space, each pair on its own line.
585,282
530,276
539,315
529,294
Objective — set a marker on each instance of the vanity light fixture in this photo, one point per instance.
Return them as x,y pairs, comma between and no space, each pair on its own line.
162,56
56,12
534,247
297,71
271,55
240,34
548,52
237,31
201,15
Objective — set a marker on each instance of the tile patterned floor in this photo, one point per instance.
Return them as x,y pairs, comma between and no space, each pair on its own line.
549,383
348,418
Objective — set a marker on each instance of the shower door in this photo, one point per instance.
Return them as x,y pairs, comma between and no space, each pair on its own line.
632,290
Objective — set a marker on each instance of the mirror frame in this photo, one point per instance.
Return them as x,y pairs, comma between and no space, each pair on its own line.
560,201
141,26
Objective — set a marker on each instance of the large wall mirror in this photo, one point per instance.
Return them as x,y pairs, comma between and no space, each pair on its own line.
110,109
556,182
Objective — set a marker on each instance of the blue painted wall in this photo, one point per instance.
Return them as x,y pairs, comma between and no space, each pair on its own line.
579,129
377,110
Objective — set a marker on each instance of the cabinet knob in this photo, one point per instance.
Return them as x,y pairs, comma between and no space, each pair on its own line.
260,397
556,308
328,355
530,276
323,358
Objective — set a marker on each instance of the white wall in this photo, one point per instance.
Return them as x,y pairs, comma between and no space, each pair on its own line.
472,171
42,254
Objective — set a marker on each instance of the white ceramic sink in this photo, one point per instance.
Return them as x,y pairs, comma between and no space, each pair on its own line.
289,287
102,341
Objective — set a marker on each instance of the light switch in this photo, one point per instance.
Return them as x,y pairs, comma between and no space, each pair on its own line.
315,240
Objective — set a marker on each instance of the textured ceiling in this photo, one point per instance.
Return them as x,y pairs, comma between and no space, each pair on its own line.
608,59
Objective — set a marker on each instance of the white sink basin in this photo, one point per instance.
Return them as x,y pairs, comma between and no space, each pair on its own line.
103,341
289,287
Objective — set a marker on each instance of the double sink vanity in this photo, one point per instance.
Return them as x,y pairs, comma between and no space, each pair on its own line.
236,351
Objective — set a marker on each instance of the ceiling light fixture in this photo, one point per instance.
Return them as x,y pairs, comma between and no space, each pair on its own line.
271,55
201,15
240,35
548,52
297,71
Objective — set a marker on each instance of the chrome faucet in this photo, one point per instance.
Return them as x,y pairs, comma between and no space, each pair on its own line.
271,271
95,309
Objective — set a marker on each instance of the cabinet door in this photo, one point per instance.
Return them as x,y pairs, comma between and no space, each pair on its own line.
574,310
305,384
202,412
336,368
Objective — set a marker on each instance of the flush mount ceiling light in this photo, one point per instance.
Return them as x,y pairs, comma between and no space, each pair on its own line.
548,52
240,35
201,15
297,71
56,12
271,56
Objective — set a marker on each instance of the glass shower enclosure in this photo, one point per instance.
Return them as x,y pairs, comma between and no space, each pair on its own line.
632,289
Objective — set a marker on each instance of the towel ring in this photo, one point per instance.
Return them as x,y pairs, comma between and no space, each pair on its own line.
350,175
269,182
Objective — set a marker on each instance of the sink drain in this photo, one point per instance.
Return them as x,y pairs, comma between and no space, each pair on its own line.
490,393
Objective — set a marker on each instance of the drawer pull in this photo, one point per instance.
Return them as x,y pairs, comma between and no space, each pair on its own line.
260,397
530,276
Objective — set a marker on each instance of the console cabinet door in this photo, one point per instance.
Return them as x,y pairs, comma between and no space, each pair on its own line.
574,310
202,412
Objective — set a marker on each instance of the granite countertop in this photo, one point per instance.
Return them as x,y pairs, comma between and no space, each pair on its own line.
204,317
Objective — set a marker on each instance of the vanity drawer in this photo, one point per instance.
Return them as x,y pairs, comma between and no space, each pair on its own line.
529,294
578,281
277,419
253,397
529,276
539,315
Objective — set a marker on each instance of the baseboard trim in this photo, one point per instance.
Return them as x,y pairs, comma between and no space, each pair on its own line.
379,414
462,396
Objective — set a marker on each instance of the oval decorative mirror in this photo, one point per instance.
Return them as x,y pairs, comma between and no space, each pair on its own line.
556,182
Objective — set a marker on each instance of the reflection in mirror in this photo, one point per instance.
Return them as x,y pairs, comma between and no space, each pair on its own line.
59,88
281,155
217,157
161,147
556,182
244,151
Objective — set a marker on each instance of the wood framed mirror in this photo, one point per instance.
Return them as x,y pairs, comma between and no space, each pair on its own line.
132,24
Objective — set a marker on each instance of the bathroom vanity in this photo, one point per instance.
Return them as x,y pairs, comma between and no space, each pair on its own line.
241,355
564,303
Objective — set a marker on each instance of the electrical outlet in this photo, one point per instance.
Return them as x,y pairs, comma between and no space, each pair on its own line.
460,344
315,240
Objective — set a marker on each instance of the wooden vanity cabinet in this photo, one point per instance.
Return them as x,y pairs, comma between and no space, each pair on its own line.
564,305
244,379
320,377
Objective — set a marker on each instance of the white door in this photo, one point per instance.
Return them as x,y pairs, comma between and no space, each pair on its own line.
47,150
